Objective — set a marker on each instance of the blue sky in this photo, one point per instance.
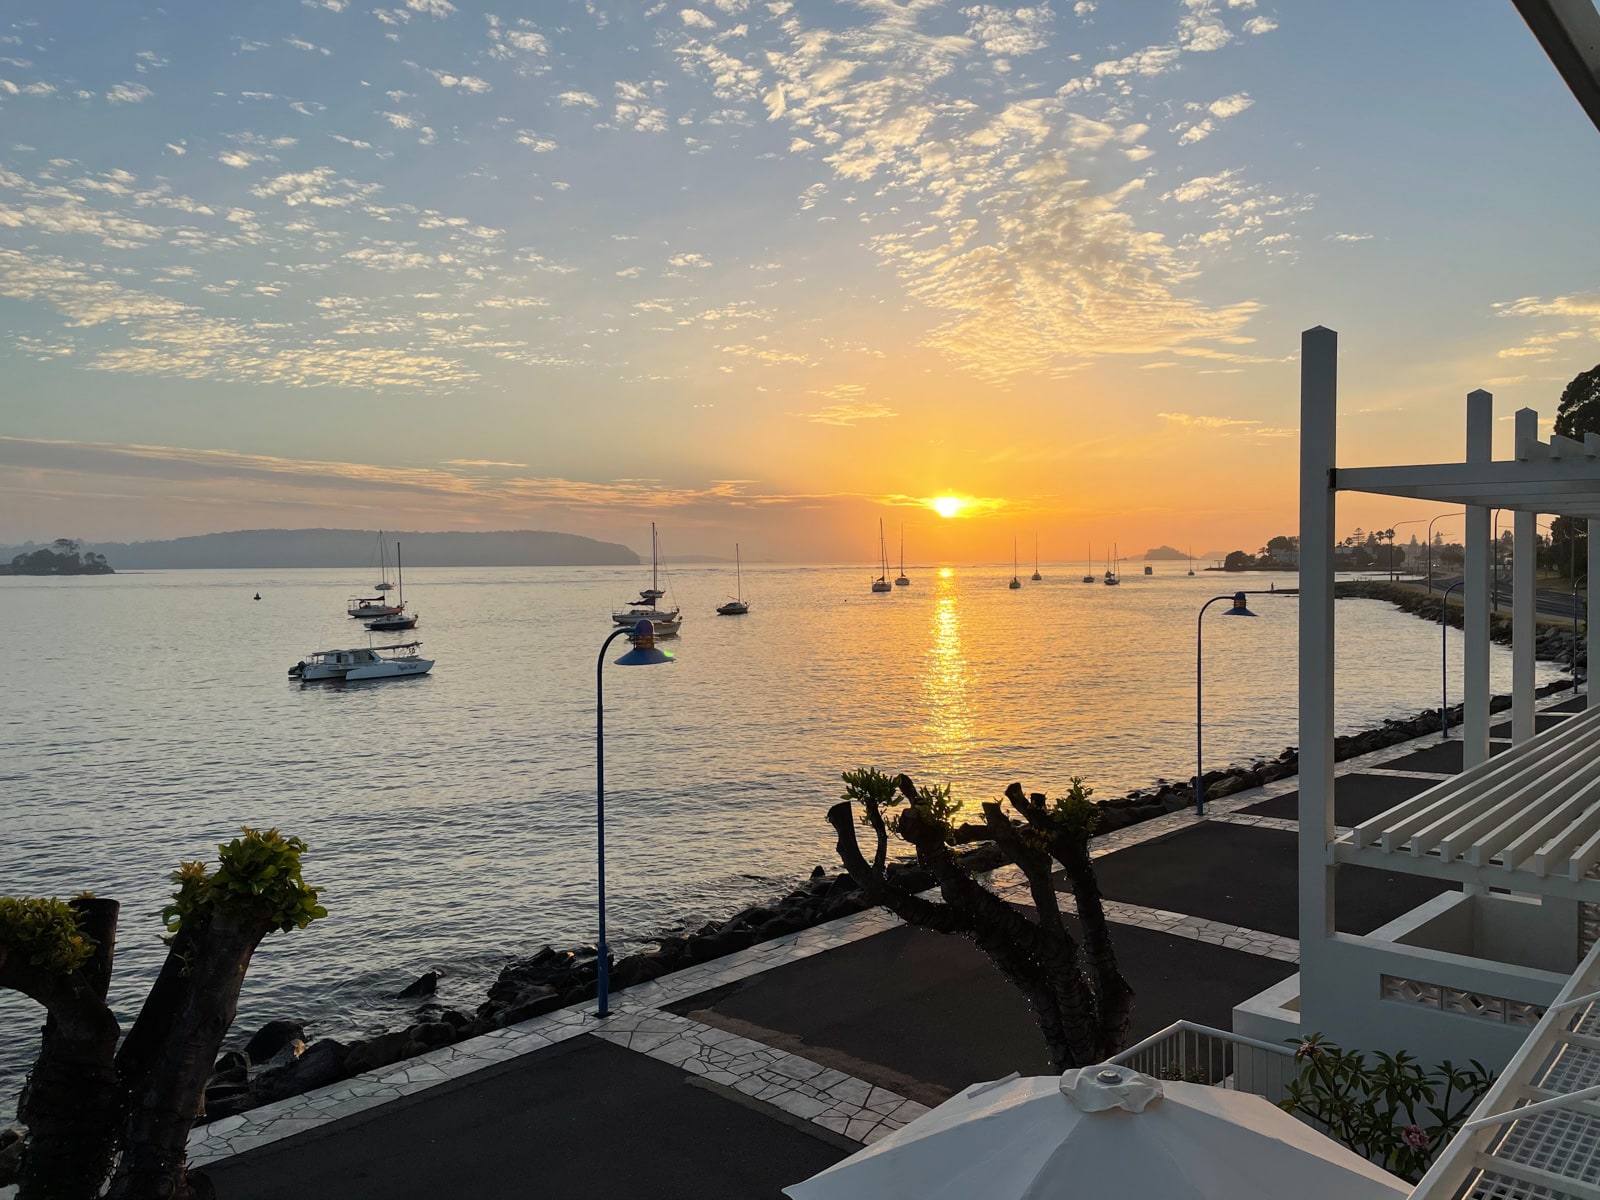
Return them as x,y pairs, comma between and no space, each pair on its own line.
443,265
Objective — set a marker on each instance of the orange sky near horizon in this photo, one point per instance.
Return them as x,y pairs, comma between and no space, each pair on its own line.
768,273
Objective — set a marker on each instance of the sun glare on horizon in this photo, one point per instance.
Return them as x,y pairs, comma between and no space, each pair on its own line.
947,506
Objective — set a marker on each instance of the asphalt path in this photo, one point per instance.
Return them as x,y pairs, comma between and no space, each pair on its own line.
928,1013
579,1121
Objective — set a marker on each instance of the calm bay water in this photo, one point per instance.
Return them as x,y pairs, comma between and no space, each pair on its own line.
145,717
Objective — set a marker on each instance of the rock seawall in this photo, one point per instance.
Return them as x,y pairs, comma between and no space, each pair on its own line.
1554,642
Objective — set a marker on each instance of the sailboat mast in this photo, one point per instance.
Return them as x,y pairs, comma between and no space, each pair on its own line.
401,571
738,575
653,585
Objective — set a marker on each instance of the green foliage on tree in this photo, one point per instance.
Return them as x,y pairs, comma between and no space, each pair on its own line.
1386,1108
89,1102
1579,410
44,934
257,875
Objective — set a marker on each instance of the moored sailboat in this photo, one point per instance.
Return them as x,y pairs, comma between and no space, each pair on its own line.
1016,581
400,619
366,607
646,607
1089,558
1113,577
1037,578
881,583
735,607
901,580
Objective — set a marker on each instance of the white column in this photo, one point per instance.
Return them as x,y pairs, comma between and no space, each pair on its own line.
1319,355
1524,601
1475,592
1593,616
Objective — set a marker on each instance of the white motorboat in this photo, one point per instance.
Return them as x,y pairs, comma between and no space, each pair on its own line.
365,662
647,606
881,583
399,619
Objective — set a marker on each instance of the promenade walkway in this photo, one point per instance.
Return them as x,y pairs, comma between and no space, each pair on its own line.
742,1075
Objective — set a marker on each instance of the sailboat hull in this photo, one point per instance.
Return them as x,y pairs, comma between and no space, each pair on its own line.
733,608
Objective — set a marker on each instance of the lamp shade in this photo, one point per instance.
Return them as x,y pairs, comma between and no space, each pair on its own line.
1238,608
644,652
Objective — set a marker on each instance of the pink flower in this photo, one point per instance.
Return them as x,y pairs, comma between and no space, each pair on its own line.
1308,1049
1415,1137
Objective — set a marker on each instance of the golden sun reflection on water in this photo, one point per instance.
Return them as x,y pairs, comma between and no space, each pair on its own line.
947,731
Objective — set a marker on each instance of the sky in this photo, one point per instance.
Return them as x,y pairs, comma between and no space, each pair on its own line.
768,272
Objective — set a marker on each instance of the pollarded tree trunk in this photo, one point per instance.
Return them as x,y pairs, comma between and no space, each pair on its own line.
1079,997
74,1101
1069,846
172,1053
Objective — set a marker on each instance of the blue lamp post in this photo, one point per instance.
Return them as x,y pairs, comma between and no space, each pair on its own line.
1444,660
643,654
1238,608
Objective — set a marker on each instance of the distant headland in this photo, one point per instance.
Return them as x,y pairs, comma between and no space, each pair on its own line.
1164,554
291,548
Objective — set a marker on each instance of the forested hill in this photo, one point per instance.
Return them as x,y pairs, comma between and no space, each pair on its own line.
287,548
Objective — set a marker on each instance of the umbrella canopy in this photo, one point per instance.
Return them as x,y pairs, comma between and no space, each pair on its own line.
1103,1131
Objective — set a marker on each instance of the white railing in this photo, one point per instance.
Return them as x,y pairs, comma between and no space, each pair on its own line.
1199,1054
1537,1130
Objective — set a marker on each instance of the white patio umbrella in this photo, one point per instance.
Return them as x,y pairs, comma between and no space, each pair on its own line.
1103,1131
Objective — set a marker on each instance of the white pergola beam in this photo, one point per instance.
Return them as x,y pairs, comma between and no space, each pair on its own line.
1569,31
1542,485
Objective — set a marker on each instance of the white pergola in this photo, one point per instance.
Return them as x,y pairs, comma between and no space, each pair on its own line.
1519,833
1569,31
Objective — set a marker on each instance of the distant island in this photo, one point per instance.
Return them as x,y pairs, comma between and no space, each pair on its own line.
61,557
289,548
1165,554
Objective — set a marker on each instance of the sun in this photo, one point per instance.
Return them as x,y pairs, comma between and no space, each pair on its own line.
947,506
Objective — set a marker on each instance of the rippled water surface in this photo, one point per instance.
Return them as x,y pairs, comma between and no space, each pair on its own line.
145,717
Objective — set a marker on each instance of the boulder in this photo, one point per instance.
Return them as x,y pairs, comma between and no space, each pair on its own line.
534,1006
637,968
719,944
375,1053
433,1034
233,1066
225,1099
322,1063
289,1052
273,1037
425,985
10,1155
780,926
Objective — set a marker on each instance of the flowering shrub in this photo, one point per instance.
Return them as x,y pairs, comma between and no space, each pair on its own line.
1385,1107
